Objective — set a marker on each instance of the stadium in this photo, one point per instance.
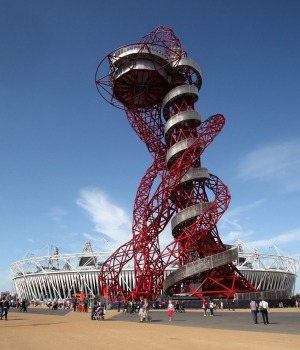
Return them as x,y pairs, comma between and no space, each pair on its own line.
59,276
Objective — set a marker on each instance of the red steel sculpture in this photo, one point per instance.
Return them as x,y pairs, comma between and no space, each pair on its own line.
157,85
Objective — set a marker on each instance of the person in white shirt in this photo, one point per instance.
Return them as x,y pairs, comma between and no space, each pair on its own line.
211,308
171,309
263,308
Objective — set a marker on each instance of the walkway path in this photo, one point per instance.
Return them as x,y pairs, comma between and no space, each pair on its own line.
43,329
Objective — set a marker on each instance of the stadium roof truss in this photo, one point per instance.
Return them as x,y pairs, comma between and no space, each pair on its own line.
59,276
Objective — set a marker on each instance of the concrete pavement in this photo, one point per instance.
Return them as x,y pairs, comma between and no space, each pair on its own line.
41,328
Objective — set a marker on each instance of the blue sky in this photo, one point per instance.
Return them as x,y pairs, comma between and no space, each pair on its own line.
71,164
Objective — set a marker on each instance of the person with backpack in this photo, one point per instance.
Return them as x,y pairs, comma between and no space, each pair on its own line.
263,309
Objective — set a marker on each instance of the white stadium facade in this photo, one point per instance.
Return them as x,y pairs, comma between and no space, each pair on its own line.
59,276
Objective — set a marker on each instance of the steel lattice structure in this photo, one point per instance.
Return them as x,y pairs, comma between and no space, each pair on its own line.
59,276
157,86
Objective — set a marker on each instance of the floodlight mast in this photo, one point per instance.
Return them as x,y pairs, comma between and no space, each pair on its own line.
152,79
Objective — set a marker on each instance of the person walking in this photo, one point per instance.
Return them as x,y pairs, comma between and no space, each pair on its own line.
170,310
1,308
75,304
221,305
119,306
264,308
141,309
182,307
5,308
254,308
204,307
211,308
23,306
85,305
94,308
146,313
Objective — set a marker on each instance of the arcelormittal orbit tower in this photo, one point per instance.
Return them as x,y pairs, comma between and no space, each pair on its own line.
157,86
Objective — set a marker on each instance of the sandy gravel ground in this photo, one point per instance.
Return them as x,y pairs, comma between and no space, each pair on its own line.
74,331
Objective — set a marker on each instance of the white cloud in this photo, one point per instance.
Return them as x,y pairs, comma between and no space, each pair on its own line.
230,226
112,221
290,237
92,238
56,213
232,236
243,209
109,219
276,164
231,230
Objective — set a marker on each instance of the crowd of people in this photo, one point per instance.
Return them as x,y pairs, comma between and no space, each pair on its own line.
141,307
6,304
209,307
64,304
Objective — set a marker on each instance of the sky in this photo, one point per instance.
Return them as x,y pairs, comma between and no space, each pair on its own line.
70,162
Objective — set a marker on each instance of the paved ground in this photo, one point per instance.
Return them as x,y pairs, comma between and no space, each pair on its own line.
41,328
